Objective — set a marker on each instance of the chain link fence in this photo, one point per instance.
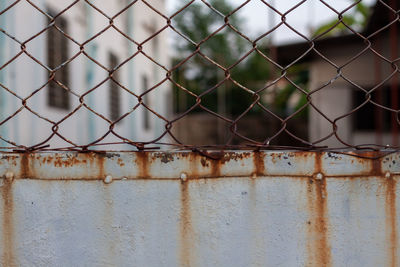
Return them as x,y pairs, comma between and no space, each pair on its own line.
135,75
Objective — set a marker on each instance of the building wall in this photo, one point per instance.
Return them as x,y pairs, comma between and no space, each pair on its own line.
146,23
334,95
23,76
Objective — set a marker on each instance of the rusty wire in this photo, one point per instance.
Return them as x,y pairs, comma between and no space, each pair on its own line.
271,54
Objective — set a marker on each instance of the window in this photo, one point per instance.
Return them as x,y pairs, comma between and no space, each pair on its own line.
57,54
146,112
115,98
368,117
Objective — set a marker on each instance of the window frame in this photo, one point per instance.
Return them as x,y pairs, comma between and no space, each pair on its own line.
57,50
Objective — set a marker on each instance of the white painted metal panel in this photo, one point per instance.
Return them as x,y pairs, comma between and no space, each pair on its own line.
183,209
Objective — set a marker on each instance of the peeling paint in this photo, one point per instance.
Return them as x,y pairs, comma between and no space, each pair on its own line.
166,157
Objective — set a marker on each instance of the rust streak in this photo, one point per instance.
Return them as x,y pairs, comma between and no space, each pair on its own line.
259,166
193,163
324,254
204,162
376,163
216,168
8,258
25,170
100,162
318,162
391,220
142,160
318,245
186,227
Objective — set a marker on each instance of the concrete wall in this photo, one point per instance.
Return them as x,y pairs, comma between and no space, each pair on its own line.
202,129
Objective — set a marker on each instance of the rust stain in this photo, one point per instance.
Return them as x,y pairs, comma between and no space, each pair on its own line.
8,258
120,162
61,161
318,245
200,165
367,154
204,162
11,159
182,155
193,166
25,170
391,220
186,227
164,156
142,161
228,156
318,162
47,160
218,159
375,158
216,155
216,168
274,158
100,162
167,157
321,224
259,166
376,167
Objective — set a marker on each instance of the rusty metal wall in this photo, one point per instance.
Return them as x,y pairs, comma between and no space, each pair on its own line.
186,209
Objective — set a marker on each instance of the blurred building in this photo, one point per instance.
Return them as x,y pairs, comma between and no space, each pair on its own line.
80,49
345,68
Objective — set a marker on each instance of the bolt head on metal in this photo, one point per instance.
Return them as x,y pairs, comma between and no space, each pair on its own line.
183,177
387,175
108,179
319,176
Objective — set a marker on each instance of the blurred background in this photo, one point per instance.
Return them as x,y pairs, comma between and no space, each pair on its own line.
235,74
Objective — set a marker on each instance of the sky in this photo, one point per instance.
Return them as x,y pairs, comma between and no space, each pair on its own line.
307,16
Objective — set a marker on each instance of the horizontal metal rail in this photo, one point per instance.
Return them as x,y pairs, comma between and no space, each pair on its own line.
190,165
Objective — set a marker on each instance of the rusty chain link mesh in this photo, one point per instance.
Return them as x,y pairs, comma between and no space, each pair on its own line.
348,98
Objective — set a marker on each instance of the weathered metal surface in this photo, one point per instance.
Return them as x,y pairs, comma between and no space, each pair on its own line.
184,209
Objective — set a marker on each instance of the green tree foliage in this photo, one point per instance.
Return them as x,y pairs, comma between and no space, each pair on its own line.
356,18
283,105
199,23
